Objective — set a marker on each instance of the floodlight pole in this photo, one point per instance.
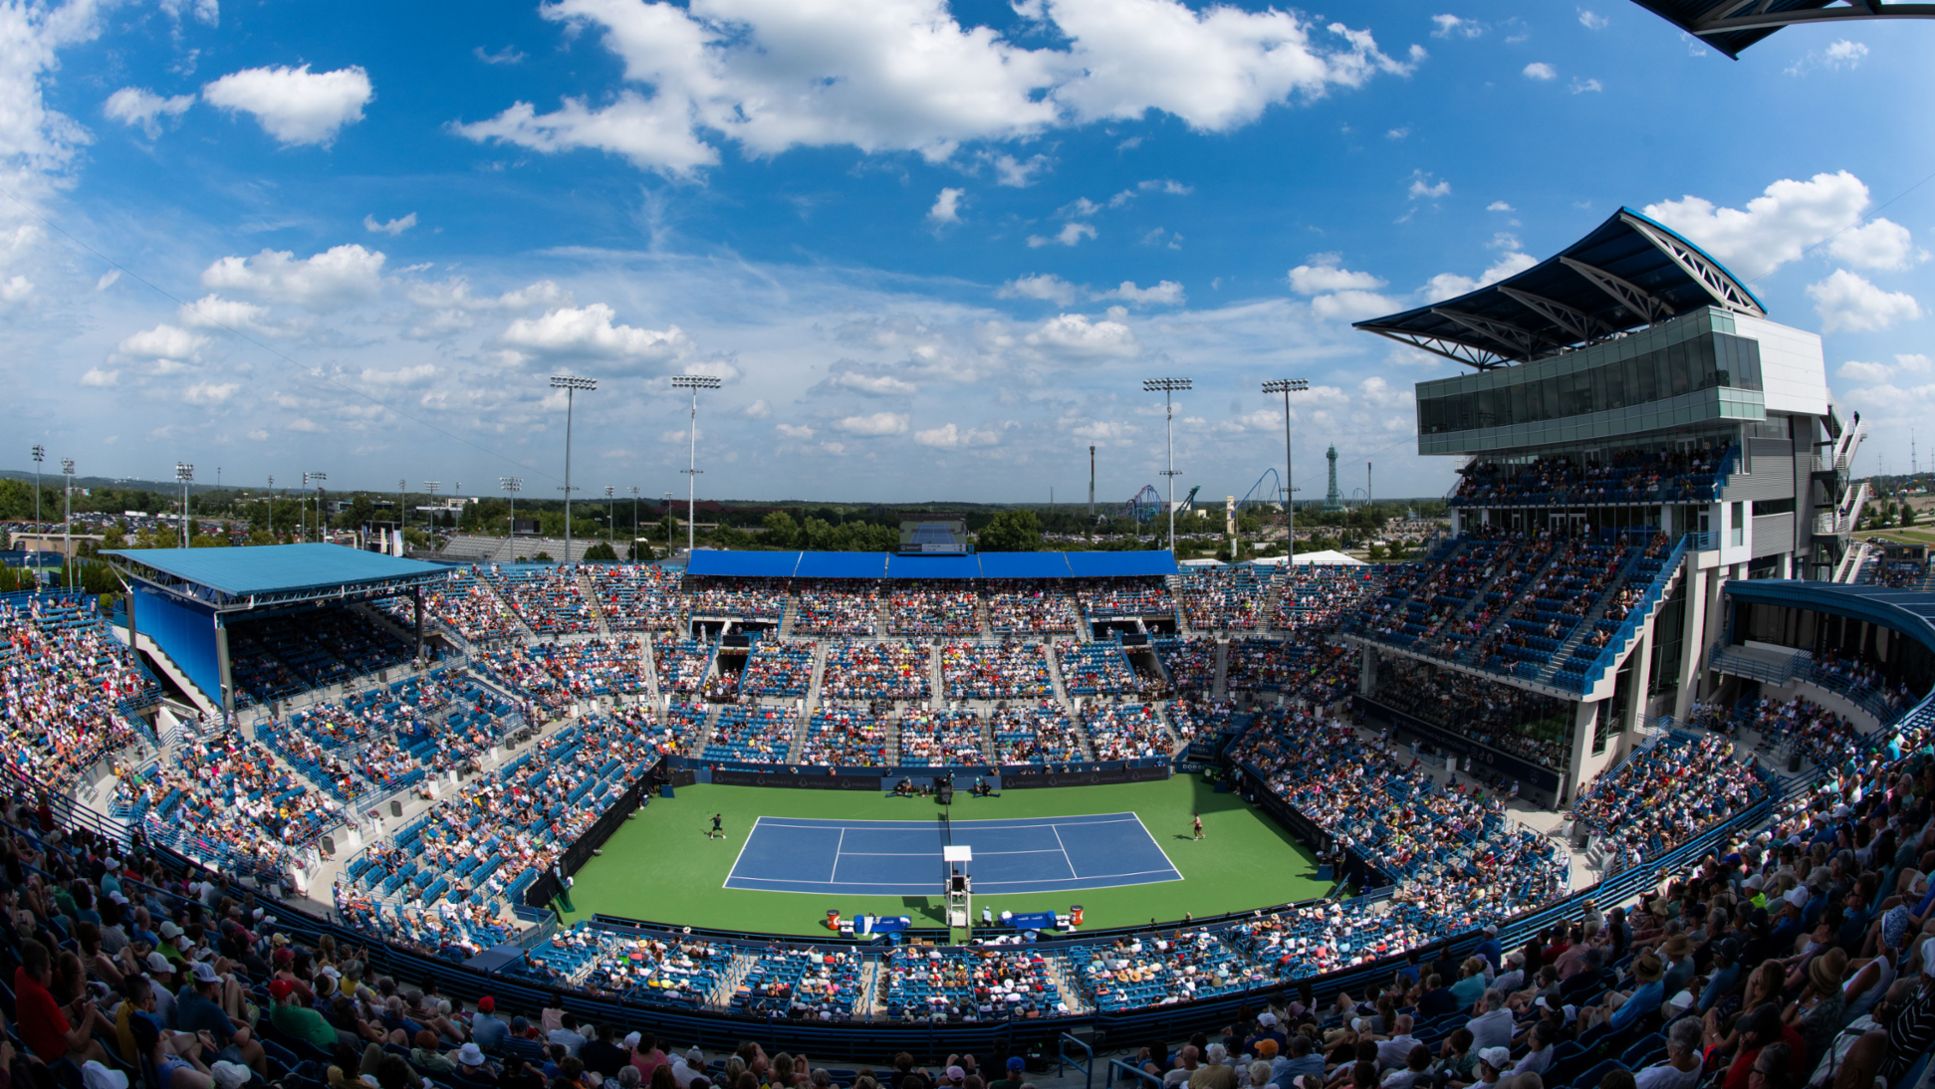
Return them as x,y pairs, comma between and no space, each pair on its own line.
318,478
570,384
67,523
511,484
271,499
40,455
431,487
184,472
695,383
611,512
667,501
633,550
402,512
1168,387
1287,386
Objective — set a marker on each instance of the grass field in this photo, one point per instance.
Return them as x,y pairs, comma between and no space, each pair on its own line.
661,867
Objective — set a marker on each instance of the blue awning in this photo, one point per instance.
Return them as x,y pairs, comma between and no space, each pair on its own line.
1023,565
934,567
277,569
842,565
742,565
1118,565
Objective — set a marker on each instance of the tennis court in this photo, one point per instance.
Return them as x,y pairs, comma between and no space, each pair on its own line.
903,858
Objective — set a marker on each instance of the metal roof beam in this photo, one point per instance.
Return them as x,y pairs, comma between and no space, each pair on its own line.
1755,16
1581,325
1718,282
1471,355
1642,303
1523,342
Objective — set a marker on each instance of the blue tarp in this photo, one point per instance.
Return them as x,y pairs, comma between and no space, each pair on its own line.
934,567
1023,565
842,565
270,569
1116,565
744,565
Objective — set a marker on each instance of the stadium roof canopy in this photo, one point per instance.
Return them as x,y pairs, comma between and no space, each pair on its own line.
974,565
235,579
1910,612
1732,25
1626,273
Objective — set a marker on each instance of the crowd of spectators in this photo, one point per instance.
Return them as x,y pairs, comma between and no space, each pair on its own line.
1035,733
749,734
1006,670
1204,718
942,738
1668,793
651,968
845,607
637,596
681,664
61,677
1096,669
1319,595
1126,731
778,667
986,983
275,658
933,609
549,598
393,737
467,604
1125,598
845,737
742,599
1190,661
1232,597
1030,608
1682,474
885,670
1514,720
225,798
557,674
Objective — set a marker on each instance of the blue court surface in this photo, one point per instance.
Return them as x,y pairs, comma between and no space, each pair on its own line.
903,858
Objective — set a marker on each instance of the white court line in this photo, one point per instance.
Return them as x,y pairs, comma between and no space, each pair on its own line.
742,851
1063,848
929,888
1075,821
1165,854
838,846
931,854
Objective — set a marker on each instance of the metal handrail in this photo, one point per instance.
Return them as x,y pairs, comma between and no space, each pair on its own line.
1084,1062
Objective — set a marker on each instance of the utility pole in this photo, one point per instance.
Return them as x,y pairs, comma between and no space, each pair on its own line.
632,552
318,478
1168,387
1091,488
1288,386
570,384
611,512
695,383
271,498
511,486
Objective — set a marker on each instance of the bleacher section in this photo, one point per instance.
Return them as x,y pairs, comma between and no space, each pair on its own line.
941,738
280,656
933,609
681,664
549,599
61,677
877,671
995,671
845,737
1096,669
1230,598
745,734
1030,608
637,597
1035,734
556,674
778,668
1694,474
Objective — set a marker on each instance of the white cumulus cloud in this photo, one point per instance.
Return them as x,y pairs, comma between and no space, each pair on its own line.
1877,244
1541,71
1776,227
1455,26
1077,335
391,227
1046,286
947,206
1592,20
1161,293
143,109
1071,234
949,437
1424,188
874,425
335,277
590,332
1847,301
1322,273
295,105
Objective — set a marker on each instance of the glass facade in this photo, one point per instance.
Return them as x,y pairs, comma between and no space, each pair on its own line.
1716,361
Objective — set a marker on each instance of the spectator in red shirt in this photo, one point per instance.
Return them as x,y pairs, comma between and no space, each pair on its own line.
44,1025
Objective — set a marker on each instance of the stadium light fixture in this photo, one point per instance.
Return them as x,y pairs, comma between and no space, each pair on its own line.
1287,386
1169,387
632,553
511,485
695,383
67,523
570,384
184,472
40,455
402,512
611,512
317,478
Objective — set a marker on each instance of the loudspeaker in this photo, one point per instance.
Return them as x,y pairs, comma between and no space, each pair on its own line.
396,808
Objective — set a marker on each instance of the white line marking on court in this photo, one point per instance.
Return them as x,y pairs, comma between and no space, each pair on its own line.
742,852
838,847
934,854
864,888
1005,822
1165,854
1063,848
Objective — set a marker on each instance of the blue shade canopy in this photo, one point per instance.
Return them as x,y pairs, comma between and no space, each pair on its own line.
275,569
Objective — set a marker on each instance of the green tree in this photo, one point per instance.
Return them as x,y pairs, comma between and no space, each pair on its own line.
1011,531
1907,515
600,551
542,557
780,531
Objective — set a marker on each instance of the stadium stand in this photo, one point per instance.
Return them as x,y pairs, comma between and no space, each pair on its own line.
1190,661
1230,598
995,671
1035,734
1126,731
1096,669
62,677
1318,595
941,738
1030,608
746,734
845,737
778,668
680,664
846,607
549,599
468,605
556,674
637,597
936,609
877,671
278,657
1666,794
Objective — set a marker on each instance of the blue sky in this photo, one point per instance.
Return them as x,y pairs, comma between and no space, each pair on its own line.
932,249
